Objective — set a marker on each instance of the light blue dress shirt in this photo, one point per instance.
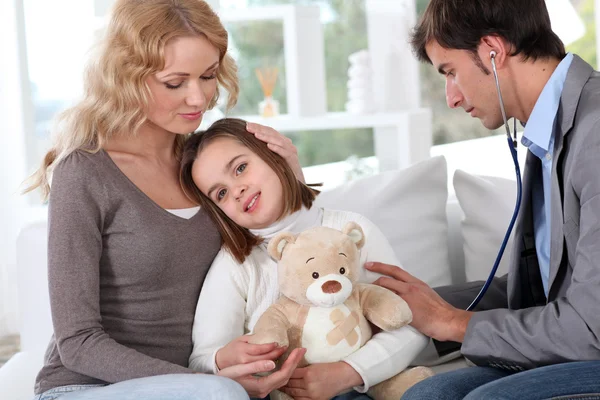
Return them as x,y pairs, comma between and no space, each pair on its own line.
539,139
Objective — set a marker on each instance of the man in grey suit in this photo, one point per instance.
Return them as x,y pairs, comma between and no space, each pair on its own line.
536,334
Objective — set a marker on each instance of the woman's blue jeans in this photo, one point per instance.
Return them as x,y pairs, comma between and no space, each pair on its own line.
575,380
161,387
172,387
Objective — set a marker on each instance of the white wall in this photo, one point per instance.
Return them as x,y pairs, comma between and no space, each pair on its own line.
13,125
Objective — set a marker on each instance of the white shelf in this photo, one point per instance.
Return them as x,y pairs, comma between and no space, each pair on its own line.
265,13
401,138
337,120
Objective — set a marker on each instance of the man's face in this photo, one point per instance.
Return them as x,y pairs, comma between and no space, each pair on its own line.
467,84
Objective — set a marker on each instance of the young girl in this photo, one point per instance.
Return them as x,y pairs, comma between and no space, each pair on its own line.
252,195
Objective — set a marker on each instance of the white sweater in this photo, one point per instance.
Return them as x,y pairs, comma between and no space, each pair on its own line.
234,296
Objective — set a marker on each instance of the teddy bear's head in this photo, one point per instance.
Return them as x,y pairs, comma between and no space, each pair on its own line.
319,266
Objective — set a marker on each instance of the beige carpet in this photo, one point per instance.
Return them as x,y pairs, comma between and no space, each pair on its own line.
9,345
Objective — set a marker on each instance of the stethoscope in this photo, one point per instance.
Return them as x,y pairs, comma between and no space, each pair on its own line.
512,145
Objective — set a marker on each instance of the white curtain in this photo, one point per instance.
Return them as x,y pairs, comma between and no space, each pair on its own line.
15,120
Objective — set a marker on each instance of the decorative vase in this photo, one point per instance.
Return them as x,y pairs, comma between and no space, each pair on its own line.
269,107
267,77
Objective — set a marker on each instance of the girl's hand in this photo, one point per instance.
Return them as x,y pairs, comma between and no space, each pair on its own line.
261,386
321,381
239,351
280,144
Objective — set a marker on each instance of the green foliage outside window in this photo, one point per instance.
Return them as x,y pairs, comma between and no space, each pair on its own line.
586,46
260,44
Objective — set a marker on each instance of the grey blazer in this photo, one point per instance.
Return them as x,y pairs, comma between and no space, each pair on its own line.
519,329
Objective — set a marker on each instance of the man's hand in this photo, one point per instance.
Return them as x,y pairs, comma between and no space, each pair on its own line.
321,381
239,351
261,386
432,315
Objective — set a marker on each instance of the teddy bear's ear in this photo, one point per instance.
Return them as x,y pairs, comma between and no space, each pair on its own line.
356,234
278,243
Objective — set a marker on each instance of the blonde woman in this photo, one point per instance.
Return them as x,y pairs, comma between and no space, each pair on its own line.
128,251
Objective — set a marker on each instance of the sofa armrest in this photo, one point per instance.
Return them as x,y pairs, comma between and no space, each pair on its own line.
32,275
17,376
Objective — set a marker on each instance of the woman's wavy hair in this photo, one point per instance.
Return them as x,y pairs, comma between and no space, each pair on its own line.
237,239
115,90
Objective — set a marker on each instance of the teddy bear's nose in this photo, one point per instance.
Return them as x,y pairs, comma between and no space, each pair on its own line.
331,287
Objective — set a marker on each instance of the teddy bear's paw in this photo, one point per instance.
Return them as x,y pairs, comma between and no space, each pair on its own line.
277,395
402,314
281,338
269,337
395,387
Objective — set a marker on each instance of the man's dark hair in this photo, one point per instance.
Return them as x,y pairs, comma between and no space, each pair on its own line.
460,24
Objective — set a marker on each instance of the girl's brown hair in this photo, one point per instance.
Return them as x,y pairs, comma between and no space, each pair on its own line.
115,91
239,240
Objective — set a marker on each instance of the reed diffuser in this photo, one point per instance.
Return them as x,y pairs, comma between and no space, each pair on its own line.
267,77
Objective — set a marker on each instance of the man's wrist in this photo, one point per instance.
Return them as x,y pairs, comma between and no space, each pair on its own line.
458,325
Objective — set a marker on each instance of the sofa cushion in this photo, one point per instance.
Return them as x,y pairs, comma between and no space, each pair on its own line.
409,206
488,204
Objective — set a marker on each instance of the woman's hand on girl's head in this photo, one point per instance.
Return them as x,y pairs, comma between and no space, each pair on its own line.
261,386
239,351
280,144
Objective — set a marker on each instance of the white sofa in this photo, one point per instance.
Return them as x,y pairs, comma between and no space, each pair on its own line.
370,195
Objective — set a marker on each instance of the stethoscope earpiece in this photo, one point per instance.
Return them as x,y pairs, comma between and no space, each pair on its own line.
492,54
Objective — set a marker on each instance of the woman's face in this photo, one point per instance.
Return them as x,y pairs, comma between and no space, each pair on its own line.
182,91
239,182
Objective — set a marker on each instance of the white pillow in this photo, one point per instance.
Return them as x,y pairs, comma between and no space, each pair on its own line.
409,206
488,204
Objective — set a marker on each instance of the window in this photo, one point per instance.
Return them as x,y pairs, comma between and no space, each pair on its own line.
586,46
259,44
57,49
56,70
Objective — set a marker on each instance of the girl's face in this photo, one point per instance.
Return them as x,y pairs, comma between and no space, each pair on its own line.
182,91
239,182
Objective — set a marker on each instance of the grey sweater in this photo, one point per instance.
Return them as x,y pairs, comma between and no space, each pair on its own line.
124,277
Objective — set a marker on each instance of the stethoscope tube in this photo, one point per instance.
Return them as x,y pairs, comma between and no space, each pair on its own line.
512,145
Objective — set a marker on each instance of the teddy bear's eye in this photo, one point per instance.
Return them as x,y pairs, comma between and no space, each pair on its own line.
315,275
342,270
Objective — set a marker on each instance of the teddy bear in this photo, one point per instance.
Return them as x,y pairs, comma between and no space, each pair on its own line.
324,308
